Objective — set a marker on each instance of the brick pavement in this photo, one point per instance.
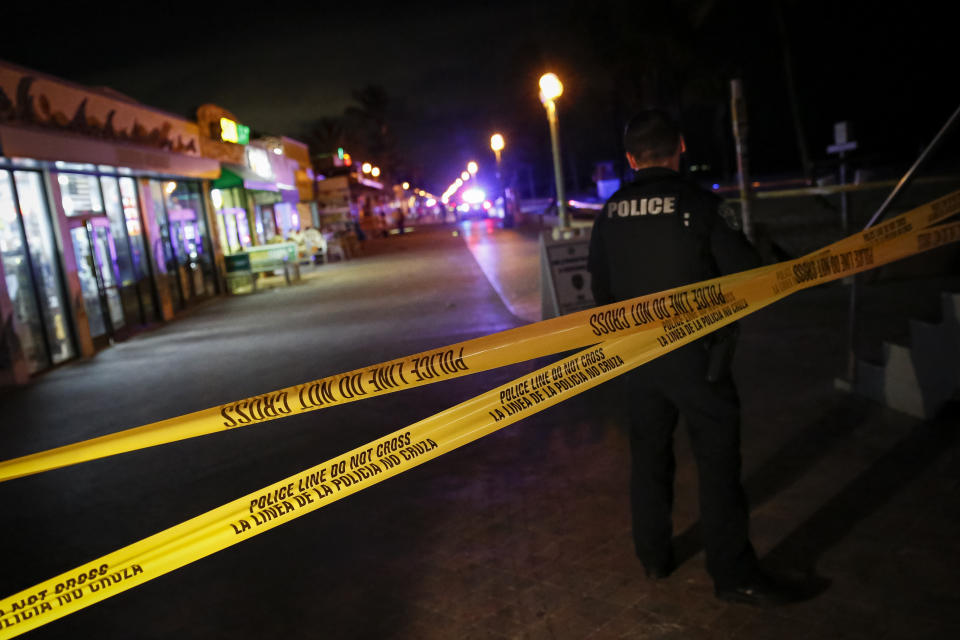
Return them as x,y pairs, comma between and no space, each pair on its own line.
524,534
844,492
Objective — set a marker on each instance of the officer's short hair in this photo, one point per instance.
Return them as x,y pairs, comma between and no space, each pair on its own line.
651,135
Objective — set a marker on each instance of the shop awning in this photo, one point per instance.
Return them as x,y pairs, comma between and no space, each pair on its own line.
40,144
291,196
234,175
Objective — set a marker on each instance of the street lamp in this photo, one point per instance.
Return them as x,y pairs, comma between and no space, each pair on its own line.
472,168
375,172
550,89
366,167
465,175
405,185
497,144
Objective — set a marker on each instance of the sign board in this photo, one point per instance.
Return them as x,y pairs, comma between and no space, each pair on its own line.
369,183
564,278
237,262
269,257
231,131
258,161
841,148
209,119
39,101
841,139
333,197
840,133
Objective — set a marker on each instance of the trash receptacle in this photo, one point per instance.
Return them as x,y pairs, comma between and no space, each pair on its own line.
239,274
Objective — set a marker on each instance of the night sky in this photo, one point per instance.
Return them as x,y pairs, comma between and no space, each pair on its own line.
455,73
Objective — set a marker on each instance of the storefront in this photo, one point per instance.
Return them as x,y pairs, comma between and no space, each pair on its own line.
256,198
245,192
290,161
230,205
246,205
103,225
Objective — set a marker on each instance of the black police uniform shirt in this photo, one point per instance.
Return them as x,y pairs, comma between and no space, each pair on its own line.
661,231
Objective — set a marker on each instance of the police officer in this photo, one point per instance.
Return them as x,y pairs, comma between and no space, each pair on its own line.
657,232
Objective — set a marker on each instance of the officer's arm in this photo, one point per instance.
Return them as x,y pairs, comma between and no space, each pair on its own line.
730,248
598,267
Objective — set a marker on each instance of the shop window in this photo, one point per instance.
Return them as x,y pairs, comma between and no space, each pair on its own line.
20,287
31,270
74,166
185,232
44,254
288,220
266,222
230,204
131,214
27,163
118,230
243,227
80,194
162,251
183,216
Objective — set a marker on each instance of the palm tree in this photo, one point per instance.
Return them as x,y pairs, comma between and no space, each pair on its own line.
373,118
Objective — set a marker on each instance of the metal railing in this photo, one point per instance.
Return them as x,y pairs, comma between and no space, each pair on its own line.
884,208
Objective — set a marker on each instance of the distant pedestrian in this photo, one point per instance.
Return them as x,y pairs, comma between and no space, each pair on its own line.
384,227
358,230
658,232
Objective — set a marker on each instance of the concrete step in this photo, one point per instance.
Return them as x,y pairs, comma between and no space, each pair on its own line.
921,377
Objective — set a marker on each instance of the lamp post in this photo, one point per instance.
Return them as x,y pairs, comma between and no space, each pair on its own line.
497,144
550,89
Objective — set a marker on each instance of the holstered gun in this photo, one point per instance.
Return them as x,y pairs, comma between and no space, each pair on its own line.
720,352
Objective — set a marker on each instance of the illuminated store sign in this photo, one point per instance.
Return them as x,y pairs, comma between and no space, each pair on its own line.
230,131
259,162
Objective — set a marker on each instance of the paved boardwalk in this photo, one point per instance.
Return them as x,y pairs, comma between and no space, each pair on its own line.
524,534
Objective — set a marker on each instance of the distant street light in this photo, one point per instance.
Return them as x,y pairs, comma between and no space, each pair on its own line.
465,176
550,89
405,185
366,167
375,172
472,168
497,144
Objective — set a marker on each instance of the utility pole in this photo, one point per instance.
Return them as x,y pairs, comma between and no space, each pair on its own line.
738,112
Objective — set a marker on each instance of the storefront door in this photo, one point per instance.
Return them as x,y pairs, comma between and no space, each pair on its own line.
185,244
96,253
107,227
185,238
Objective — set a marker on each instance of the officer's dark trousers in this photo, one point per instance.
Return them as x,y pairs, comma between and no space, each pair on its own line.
656,393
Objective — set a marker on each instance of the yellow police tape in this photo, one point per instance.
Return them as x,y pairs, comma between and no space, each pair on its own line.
634,332
481,354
